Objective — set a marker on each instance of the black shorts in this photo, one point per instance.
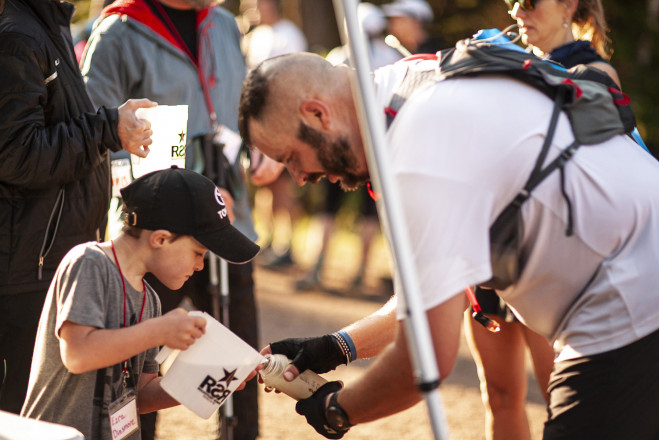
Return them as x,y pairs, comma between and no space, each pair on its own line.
491,304
334,196
612,395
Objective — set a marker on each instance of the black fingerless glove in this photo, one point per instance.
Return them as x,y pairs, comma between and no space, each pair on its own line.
320,354
313,409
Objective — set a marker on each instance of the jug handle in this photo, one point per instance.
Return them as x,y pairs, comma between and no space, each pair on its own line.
164,353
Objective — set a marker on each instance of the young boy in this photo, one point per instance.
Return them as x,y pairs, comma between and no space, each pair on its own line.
100,329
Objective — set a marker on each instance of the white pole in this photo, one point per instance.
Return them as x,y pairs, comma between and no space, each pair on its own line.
372,125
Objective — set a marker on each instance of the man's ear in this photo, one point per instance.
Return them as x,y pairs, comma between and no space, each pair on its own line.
315,114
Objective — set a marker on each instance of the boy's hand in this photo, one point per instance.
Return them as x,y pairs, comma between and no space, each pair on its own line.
180,330
250,376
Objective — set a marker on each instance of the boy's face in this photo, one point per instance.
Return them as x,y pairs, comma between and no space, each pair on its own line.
177,259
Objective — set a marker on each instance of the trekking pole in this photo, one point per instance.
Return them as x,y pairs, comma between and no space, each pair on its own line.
394,43
371,121
220,295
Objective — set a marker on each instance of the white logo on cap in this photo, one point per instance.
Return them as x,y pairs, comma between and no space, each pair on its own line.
220,201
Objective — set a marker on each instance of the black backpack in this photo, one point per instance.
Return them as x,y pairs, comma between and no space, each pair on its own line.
594,104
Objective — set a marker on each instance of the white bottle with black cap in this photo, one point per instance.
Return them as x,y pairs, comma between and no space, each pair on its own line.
301,387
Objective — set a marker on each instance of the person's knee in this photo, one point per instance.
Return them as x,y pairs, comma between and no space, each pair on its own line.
504,397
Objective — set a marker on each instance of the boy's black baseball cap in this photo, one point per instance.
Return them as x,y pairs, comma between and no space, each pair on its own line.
184,202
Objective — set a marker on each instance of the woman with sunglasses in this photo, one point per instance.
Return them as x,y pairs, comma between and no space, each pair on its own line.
568,32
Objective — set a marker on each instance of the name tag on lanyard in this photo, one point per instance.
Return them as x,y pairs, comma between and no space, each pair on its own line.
124,420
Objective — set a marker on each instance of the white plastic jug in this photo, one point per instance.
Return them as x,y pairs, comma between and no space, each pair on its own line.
202,377
170,125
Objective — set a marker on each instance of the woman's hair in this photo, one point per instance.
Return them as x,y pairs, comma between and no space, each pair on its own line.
588,23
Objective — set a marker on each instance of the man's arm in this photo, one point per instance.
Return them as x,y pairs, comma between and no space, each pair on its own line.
36,155
109,67
110,70
32,154
372,334
365,338
84,348
388,385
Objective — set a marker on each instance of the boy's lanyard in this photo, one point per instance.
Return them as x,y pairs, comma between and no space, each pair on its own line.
123,284
123,412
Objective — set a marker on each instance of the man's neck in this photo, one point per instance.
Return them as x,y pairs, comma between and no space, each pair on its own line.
176,4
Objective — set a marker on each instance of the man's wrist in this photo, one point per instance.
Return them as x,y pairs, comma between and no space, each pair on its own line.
346,345
335,416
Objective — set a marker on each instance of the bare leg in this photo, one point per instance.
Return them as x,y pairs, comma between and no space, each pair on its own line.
500,361
369,228
543,358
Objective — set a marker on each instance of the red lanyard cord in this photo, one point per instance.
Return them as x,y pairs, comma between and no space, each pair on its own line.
172,28
123,284
177,36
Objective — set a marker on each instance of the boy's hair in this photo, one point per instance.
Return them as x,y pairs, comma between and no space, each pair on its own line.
134,231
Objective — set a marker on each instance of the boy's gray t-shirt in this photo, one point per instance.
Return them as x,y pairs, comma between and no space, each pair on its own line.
86,290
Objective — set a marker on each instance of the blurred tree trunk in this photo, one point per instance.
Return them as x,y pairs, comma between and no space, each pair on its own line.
635,35
319,25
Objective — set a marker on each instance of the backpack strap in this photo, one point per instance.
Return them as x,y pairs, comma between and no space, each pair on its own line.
539,173
413,81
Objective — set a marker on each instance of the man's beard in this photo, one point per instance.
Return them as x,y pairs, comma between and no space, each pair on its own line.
336,158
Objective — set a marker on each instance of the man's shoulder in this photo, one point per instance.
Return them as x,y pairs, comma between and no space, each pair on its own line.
107,22
222,19
17,24
388,78
116,26
220,12
116,32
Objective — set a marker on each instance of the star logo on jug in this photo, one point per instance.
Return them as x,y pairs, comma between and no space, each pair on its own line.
229,376
216,391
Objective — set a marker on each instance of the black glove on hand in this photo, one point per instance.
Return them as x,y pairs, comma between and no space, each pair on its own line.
313,409
320,354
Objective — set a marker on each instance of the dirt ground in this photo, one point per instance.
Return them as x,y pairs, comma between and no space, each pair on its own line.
286,313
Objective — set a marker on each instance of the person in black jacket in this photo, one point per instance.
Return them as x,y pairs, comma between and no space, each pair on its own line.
54,170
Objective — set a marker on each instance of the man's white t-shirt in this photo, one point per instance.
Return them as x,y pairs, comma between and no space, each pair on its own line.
460,152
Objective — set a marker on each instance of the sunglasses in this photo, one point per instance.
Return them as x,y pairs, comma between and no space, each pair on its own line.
527,5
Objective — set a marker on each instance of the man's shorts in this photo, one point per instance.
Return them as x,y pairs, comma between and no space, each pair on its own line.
491,304
612,395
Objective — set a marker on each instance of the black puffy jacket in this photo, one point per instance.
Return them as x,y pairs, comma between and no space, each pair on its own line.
54,165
